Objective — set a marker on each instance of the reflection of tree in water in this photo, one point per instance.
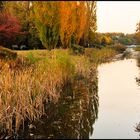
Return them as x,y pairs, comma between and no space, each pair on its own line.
138,83
74,118
138,64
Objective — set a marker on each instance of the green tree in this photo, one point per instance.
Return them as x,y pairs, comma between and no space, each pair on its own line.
46,20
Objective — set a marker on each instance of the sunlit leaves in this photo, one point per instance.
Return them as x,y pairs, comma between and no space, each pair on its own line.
55,22
81,20
67,21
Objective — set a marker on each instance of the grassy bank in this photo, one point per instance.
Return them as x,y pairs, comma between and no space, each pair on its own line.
38,77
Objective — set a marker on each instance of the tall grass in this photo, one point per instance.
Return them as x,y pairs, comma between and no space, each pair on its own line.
31,81
23,93
98,56
6,53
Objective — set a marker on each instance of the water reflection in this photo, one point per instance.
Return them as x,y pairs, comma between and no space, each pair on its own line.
73,118
138,83
119,100
138,77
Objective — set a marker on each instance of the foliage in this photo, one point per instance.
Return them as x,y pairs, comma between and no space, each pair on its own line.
105,40
9,27
67,22
20,10
137,36
91,24
119,48
81,20
46,16
52,23
77,49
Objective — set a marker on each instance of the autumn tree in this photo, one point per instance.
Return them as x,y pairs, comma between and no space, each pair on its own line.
67,21
81,20
91,22
106,40
52,22
20,10
137,34
77,19
9,27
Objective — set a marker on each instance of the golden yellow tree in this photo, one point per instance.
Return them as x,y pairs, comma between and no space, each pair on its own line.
67,21
91,22
81,20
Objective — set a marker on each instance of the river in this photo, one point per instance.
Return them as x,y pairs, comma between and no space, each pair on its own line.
119,100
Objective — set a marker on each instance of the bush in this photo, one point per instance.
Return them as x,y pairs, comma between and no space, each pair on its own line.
119,48
6,53
137,48
77,49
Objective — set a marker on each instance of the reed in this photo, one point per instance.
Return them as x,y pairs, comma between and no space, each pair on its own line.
36,78
98,56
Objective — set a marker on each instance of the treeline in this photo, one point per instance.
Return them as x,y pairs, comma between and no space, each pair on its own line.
46,24
104,39
55,24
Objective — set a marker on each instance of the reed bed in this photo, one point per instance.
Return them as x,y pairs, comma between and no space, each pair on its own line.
28,83
24,92
98,56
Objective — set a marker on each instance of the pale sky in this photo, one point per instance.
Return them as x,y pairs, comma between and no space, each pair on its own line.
117,16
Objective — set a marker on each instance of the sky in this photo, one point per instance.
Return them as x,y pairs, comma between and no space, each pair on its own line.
117,16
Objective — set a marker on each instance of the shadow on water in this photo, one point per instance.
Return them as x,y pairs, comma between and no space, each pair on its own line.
138,64
137,129
70,118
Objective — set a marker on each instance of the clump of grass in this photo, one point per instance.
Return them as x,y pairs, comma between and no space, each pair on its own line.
6,53
76,50
119,48
98,56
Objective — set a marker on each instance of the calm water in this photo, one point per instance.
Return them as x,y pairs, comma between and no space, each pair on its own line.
107,107
119,100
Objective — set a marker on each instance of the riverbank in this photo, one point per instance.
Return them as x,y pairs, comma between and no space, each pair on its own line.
128,53
37,78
